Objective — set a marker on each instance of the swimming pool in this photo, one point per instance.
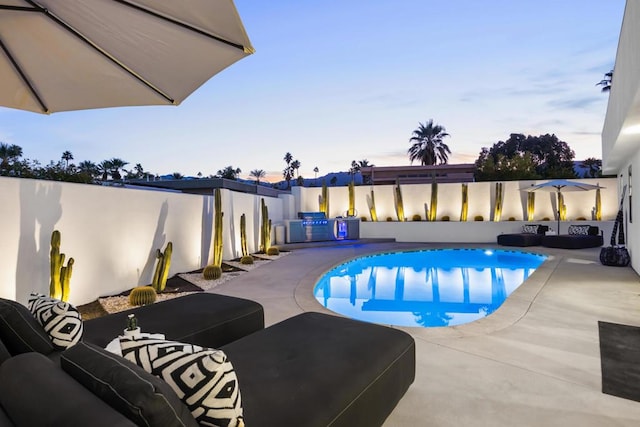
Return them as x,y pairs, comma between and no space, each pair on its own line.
425,288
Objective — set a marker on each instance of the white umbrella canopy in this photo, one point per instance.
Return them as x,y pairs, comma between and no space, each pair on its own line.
562,185
64,55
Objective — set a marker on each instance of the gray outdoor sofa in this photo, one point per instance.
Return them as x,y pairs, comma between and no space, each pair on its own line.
310,370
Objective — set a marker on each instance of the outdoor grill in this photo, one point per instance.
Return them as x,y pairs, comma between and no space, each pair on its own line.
315,227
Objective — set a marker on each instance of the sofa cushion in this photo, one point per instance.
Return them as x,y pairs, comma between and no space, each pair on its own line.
20,331
60,320
579,230
320,370
4,353
138,395
202,378
593,230
36,392
204,319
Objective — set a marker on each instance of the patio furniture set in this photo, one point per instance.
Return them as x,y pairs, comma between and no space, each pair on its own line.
312,369
577,237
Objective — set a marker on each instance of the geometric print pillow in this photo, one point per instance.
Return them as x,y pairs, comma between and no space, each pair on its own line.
202,378
530,229
59,319
581,230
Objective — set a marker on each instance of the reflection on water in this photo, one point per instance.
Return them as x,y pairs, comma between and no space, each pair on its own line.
425,288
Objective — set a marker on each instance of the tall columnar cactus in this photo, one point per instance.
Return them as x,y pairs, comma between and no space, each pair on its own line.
324,199
433,208
162,268
265,228
243,235
497,209
352,200
464,212
399,204
60,274
246,258
562,208
598,212
214,270
371,201
531,205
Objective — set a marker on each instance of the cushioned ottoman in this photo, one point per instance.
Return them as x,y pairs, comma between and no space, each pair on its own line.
209,320
592,239
320,370
531,238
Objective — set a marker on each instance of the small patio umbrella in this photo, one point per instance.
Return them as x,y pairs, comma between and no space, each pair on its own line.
559,186
62,55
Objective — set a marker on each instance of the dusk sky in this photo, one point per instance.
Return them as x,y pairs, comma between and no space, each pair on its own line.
335,81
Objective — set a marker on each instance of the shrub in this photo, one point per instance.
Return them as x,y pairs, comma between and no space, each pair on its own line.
478,218
363,218
416,217
445,218
581,218
546,218
389,219
511,218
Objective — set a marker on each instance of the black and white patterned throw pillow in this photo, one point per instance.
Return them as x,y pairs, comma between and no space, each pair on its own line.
61,320
530,229
580,230
202,378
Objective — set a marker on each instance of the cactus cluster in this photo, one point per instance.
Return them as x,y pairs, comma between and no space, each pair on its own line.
60,274
531,205
433,208
246,260
265,227
142,295
371,201
214,270
464,212
162,268
352,200
323,199
497,208
399,204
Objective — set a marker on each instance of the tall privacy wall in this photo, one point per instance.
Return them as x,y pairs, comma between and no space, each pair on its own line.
481,203
112,234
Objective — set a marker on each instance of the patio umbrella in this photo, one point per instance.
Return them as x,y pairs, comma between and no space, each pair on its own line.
559,186
62,55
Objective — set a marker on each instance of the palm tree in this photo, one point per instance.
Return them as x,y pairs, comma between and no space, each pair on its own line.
364,163
9,154
606,82
229,173
287,173
258,174
105,168
177,175
315,171
116,165
427,144
89,168
295,165
66,156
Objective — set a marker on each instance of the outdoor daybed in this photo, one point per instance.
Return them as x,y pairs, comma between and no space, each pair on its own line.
531,236
578,237
310,370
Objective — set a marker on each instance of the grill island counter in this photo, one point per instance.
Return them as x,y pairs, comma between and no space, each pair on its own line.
315,227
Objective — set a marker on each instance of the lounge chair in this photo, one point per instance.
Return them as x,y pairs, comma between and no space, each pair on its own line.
578,237
531,236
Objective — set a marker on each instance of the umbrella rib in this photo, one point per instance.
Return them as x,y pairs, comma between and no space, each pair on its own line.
86,40
185,26
23,76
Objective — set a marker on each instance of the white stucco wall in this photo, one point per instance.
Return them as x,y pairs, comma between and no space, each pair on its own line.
112,234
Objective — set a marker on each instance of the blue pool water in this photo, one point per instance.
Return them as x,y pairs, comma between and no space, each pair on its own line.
425,288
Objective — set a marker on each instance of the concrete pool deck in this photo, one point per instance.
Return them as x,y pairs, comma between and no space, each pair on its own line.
534,362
